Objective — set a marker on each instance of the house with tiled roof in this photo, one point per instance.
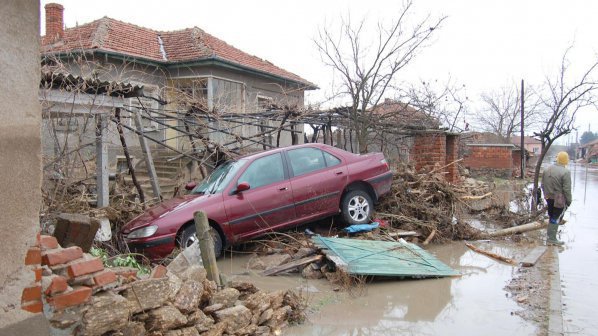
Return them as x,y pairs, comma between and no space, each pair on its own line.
589,151
172,67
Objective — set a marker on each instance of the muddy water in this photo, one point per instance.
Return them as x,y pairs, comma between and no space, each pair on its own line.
579,259
474,303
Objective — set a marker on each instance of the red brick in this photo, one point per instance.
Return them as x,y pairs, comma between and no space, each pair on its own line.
37,239
104,278
34,256
57,285
38,273
75,297
33,306
32,293
85,267
158,272
48,242
61,256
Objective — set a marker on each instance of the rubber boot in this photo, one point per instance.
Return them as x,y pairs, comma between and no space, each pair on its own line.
552,230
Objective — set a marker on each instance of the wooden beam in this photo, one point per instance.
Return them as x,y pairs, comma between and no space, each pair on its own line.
516,229
492,255
206,246
147,155
292,264
532,258
102,186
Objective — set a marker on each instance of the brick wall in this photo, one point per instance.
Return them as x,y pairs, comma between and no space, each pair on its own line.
516,154
428,150
452,154
493,159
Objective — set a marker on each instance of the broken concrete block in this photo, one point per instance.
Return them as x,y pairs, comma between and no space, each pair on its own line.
165,318
189,331
190,256
267,262
217,330
175,284
309,272
226,297
148,294
106,312
76,230
133,329
236,317
189,296
276,299
279,317
200,321
195,273
265,316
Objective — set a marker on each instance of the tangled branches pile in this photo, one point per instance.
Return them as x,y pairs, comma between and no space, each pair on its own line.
425,203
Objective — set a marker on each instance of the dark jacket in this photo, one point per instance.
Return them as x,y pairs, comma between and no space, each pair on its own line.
556,181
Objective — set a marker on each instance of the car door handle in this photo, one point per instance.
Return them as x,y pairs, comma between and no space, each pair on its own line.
283,189
338,172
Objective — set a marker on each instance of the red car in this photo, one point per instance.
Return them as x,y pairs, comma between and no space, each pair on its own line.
264,192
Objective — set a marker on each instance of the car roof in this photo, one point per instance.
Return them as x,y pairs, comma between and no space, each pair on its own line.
277,150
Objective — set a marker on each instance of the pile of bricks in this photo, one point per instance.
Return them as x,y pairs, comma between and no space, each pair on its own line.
79,297
64,277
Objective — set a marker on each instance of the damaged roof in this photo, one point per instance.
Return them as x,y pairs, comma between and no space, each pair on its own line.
164,47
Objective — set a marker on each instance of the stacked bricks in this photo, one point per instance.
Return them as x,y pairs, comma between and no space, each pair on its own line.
452,155
64,277
492,159
429,151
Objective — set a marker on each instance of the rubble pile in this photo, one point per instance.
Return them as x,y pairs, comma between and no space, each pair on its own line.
80,297
425,203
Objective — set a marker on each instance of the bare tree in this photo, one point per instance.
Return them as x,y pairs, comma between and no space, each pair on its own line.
501,114
445,101
367,68
561,101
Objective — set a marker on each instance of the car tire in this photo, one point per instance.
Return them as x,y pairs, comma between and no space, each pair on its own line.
356,207
188,237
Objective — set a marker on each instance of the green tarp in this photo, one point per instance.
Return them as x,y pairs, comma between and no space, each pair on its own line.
371,257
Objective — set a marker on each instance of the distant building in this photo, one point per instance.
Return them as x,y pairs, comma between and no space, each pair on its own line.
589,151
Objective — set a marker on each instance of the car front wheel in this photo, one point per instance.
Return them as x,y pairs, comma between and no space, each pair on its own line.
188,237
356,207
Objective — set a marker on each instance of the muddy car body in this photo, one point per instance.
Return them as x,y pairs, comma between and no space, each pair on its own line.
266,192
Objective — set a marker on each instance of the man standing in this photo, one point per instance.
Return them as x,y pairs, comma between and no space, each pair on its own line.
556,184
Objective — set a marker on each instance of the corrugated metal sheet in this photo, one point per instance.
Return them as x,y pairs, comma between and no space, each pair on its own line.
369,257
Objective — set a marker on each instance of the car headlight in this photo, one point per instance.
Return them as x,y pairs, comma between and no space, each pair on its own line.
143,232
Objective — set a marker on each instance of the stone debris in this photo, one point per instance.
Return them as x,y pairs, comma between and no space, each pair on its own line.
171,302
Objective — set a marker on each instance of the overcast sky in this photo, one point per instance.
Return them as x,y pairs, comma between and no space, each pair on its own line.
484,44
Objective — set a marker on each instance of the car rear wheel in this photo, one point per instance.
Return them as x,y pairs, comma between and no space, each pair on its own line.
356,207
188,237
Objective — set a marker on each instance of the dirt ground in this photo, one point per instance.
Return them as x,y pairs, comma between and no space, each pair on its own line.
530,288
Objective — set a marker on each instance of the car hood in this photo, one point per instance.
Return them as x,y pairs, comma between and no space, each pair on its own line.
168,207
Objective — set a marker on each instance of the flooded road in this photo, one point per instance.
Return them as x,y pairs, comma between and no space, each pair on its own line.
579,259
474,303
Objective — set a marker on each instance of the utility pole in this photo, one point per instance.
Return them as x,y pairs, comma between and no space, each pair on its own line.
522,134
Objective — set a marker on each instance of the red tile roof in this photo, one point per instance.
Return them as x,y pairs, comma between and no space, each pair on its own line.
516,140
404,115
187,45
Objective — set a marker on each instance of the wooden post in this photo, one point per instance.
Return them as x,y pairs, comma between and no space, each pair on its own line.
147,154
206,246
101,161
522,134
123,142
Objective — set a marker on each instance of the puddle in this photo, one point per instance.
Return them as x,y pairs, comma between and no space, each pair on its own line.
579,275
474,303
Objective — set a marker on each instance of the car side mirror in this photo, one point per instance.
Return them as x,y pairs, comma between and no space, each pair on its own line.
189,186
242,187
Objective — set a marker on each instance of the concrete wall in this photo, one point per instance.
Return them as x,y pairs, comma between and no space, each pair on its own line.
489,160
20,149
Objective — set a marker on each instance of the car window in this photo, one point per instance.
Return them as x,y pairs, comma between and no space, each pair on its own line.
331,160
219,178
306,160
264,171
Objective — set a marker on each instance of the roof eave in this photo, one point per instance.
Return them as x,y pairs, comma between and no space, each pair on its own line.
217,61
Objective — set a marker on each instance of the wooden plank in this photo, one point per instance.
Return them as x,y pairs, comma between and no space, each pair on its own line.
532,258
492,255
102,183
292,264
403,233
206,246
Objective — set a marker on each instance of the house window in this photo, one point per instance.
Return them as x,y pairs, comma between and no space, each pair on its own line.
228,96
192,92
263,103
535,150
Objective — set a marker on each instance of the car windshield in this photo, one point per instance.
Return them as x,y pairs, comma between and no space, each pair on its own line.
219,178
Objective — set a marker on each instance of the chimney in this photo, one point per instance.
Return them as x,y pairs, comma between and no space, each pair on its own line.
54,21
